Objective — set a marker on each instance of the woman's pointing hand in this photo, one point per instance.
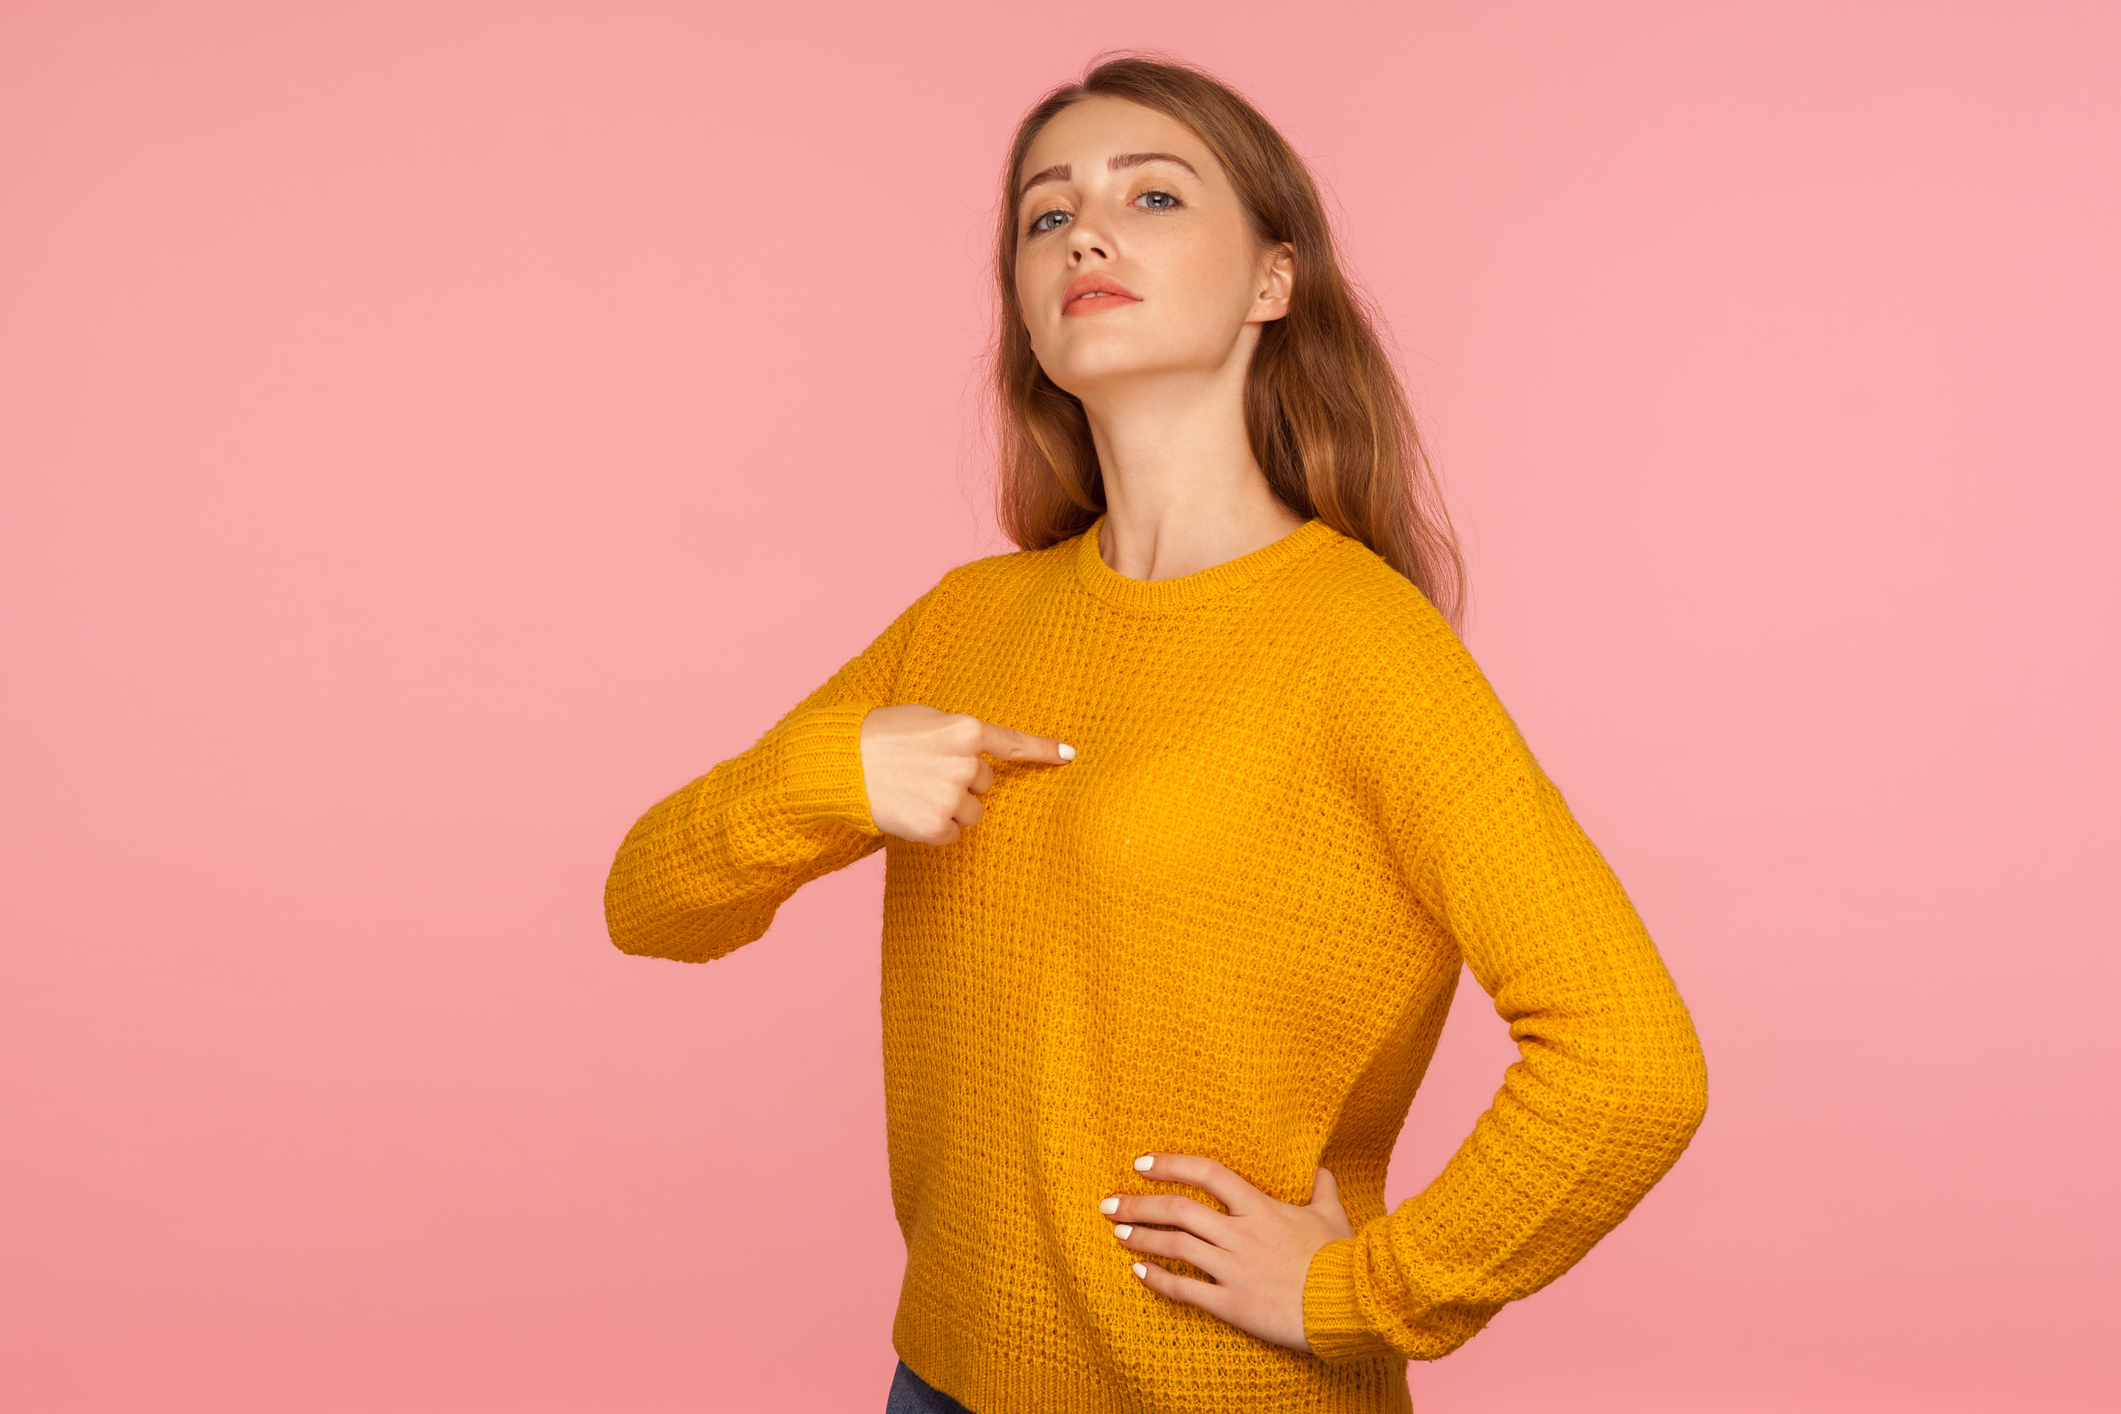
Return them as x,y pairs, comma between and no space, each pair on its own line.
923,772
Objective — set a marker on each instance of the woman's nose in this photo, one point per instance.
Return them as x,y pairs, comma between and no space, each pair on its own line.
1084,238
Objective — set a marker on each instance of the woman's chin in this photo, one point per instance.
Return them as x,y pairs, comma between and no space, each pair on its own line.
1088,370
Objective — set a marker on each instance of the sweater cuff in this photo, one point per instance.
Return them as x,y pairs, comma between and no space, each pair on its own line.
821,766
1333,1320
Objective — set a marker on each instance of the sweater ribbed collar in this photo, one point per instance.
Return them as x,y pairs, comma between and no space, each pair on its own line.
1158,595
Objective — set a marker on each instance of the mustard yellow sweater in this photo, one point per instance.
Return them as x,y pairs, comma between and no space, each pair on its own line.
1231,927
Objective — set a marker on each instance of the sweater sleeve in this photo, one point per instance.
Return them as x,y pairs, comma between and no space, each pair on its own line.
1610,1084
703,872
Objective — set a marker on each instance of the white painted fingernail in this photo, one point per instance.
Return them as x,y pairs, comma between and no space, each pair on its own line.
1144,1162
1123,1232
1067,752
1110,1205
1141,1271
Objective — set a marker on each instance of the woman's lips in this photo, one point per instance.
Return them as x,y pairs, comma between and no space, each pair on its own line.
1095,294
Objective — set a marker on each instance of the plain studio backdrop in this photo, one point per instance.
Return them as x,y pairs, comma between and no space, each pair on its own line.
433,432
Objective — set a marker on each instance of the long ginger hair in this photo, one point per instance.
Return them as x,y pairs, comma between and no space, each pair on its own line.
1324,410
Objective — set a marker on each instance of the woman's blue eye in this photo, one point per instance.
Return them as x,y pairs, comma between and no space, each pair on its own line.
1049,222
1157,200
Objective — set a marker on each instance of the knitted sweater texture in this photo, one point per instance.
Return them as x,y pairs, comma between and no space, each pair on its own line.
1231,927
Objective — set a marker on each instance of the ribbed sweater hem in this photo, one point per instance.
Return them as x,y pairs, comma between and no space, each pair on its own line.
996,1383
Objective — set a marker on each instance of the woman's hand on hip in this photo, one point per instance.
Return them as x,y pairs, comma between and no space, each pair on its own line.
923,773
1259,1252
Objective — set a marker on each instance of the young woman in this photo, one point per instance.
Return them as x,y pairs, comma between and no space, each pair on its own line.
1193,808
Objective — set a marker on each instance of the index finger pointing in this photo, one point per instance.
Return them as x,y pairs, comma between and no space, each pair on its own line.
1009,744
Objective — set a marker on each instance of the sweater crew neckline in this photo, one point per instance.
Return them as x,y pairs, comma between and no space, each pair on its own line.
1157,595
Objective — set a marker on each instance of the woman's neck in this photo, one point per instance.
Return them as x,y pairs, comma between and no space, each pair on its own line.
1183,492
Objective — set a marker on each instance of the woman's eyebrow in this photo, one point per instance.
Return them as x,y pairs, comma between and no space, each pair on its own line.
1136,159
1061,171
1058,172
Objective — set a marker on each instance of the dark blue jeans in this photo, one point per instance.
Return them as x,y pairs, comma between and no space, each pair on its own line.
910,1394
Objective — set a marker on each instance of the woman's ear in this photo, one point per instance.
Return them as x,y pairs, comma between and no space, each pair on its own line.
1277,281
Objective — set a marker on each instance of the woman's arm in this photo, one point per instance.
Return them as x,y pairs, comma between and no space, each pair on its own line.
1610,1088
1611,1084
703,872
1609,1091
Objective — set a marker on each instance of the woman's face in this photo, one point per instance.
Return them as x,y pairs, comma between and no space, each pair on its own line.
1133,254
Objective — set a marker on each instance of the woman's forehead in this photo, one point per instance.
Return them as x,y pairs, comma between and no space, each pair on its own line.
1100,127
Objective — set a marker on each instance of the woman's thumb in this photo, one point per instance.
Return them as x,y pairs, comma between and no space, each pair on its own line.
1325,1200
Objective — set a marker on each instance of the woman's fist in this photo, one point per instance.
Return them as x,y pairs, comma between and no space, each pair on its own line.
923,772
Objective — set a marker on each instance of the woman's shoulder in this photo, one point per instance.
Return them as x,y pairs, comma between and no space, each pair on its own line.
1386,657
1012,567
1357,604
977,587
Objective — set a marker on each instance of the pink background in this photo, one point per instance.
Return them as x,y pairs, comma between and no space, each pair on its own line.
432,432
